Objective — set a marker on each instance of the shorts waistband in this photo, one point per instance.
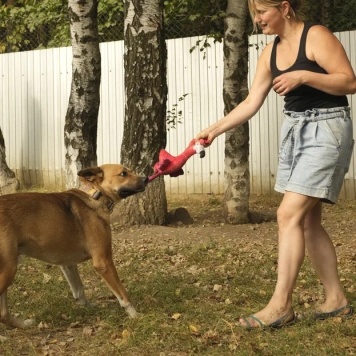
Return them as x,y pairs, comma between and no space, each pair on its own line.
319,114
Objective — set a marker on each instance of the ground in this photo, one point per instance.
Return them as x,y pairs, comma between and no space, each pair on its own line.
206,215
192,281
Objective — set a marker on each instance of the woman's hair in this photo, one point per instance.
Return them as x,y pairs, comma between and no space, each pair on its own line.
294,12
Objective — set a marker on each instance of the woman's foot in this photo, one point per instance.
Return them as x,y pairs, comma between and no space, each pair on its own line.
253,321
344,312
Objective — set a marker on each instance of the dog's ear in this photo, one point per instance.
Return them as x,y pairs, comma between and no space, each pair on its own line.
91,173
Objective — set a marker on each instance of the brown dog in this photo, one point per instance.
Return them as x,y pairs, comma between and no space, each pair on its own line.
65,229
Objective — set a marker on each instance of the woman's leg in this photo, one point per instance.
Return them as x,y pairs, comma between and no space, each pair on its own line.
322,255
291,249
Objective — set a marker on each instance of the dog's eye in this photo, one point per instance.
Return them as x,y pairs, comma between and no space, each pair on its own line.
123,174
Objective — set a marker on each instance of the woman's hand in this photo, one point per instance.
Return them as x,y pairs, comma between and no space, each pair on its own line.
205,135
286,82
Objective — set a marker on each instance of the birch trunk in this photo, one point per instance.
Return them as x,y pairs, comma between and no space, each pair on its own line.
237,174
8,182
80,130
145,110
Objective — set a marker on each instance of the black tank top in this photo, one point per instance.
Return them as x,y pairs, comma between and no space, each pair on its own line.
305,97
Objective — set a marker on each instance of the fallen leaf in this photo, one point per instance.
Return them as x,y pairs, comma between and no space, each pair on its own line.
176,316
46,278
217,287
194,329
88,331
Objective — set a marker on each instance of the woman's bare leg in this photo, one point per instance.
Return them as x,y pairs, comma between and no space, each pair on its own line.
322,255
291,250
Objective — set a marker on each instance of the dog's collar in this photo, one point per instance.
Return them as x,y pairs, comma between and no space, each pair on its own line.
97,195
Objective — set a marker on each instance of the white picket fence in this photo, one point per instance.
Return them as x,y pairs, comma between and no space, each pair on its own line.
34,92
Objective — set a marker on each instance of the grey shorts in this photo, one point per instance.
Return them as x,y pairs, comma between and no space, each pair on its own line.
315,152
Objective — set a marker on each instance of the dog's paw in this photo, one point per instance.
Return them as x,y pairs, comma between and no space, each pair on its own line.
21,324
28,323
131,311
2,339
84,303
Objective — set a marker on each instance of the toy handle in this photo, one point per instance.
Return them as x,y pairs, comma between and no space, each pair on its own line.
200,148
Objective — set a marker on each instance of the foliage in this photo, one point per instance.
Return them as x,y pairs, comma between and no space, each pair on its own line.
32,24
195,17
346,15
174,115
338,15
111,24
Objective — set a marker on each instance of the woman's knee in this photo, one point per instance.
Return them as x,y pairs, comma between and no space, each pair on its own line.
285,216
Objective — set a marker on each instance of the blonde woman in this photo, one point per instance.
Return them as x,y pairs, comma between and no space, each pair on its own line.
307,65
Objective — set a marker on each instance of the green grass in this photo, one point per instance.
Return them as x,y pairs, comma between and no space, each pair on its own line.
191,284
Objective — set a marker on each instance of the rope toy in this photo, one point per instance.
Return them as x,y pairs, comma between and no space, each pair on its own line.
168,164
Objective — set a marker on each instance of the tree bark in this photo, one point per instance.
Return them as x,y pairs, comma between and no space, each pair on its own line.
237,173
145,109
80,130
8,181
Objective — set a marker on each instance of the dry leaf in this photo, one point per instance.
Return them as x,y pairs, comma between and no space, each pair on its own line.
46,278
88,331
125,334
176,316
194,329
217,287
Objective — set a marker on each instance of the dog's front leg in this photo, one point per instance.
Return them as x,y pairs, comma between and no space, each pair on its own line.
10,320
106,268
72,276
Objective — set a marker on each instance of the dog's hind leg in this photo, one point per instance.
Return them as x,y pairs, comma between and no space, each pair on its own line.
106,268
75,283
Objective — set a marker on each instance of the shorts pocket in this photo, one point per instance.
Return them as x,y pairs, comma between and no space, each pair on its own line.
349,155
331,131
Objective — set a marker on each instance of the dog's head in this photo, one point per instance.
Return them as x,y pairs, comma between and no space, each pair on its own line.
113,180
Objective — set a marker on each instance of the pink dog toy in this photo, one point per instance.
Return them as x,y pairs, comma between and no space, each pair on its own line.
171,165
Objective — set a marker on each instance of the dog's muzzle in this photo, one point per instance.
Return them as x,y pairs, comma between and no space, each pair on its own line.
125,192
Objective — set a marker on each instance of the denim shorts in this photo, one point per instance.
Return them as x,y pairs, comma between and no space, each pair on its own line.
315,152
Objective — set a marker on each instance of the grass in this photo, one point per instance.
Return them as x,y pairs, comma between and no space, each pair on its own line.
192,284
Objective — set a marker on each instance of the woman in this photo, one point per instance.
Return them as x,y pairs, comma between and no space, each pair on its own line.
308,66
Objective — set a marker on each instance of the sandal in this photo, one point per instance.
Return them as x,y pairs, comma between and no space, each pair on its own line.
336,313
285,320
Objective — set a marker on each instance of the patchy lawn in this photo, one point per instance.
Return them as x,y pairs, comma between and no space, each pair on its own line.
191,283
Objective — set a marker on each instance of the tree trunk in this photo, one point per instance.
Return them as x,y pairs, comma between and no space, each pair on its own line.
145,110
80,130
8,182
237,174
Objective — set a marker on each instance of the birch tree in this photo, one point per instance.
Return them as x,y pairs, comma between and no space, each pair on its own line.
145,111
237,174
8,181
80,130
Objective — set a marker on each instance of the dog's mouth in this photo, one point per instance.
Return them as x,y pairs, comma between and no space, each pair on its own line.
126,192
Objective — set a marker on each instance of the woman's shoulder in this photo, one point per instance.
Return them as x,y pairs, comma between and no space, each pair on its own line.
265,56
316,31
268,48
319,36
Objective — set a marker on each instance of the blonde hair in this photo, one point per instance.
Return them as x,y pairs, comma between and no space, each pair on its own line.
294,11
